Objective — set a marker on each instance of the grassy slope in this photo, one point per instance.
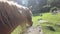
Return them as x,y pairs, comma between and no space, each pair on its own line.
53,19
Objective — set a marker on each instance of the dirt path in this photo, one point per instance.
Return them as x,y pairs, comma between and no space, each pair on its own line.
34,30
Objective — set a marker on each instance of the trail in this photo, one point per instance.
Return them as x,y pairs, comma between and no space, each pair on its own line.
34,30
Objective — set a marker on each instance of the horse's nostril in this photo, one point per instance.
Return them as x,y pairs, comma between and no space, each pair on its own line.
32,24
39,30
29,31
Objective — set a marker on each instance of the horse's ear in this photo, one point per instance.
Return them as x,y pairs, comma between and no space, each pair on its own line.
30,7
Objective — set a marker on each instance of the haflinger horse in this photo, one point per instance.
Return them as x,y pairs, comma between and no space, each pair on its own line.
12,15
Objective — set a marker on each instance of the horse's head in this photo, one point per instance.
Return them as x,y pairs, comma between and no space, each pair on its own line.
12,15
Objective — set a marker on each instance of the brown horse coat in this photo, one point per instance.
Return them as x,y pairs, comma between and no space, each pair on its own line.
12,15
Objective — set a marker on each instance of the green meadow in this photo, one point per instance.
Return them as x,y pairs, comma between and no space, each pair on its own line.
52,21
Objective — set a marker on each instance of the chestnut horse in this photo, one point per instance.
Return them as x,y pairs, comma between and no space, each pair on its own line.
12,15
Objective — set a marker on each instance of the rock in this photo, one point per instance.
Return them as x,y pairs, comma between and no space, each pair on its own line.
50,28
57,24
43,21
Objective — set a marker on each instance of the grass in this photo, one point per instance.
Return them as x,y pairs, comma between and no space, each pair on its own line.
52,20
17,30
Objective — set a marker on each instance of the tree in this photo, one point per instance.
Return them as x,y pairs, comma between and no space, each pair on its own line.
56,3
37,5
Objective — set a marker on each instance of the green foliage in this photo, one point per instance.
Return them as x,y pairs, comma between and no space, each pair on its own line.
52,20
49,1
55,3
53,8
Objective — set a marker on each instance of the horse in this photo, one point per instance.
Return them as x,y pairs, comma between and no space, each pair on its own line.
12,15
